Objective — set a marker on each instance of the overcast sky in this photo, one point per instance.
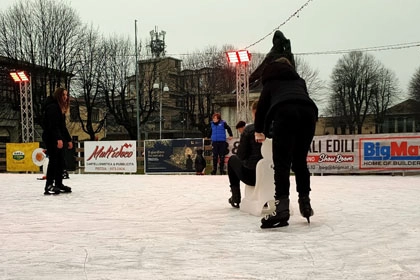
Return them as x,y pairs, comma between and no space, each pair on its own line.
323,25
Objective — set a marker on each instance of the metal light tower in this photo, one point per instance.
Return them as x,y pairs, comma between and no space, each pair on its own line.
26,109
242,59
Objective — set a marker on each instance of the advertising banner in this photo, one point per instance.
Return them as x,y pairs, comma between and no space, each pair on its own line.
171,155
21,156
110,156
364,153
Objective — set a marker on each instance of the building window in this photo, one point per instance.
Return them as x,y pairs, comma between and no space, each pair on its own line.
180,102
95,115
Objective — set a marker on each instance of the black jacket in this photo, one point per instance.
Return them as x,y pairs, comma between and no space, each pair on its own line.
249,151
54,123
281,85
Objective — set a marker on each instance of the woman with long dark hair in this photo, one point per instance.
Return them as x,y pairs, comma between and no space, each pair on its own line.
55,135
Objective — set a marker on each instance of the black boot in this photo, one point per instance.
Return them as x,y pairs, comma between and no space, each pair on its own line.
280,217
66,175
305,207
222,170
64,189
51,189
235,199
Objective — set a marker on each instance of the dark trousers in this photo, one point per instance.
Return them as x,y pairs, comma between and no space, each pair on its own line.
293,131
55,164
219,152
237,172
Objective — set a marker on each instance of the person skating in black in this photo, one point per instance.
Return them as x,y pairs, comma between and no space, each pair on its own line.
286,110
55,135
199,162
242,166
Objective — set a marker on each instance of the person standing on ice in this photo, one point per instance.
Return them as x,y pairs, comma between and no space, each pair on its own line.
55,134
285,109
217,133
242,166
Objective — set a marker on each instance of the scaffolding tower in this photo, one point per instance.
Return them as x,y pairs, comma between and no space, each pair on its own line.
242,92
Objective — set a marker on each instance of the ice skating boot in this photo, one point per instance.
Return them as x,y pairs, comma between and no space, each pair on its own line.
235,199
51,189
280,216
305,207
64,189
66,175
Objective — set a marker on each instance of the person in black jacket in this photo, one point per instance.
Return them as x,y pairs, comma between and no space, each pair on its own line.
55,135
242,166
286,110
200,162
281,48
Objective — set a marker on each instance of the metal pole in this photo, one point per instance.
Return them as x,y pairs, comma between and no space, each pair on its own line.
160,112
137,88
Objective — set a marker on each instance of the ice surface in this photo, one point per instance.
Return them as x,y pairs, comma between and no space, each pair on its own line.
182,227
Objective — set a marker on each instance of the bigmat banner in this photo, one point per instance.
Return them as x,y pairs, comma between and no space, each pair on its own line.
170,156
110,156
365,153
21,156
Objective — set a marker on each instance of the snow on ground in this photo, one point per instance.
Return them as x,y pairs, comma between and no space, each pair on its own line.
182,227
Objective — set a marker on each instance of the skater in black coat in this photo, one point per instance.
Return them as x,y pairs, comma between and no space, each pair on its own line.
199,163
286,110
55,135
242,166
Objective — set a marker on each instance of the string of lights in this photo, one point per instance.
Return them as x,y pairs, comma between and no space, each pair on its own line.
283,23
367,49
344,51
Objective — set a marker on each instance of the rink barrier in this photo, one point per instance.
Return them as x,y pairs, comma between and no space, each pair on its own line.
79,157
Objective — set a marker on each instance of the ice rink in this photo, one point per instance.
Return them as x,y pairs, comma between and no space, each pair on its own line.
182,227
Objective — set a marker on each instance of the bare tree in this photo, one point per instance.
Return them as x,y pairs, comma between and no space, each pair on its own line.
119,98
384,90
356,82
314,83
44,33
89,74
414,86
206,76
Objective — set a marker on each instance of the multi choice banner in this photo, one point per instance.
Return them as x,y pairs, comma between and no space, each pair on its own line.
365,153
110,156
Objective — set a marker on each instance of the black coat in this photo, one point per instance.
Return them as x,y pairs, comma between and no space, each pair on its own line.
249,151
54,123
281,85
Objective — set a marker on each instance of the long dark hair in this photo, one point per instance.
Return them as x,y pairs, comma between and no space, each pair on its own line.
58,95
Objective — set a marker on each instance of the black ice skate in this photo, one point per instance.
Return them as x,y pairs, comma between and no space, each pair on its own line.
64,189
66,175
280,216
235,199
305,207
51,189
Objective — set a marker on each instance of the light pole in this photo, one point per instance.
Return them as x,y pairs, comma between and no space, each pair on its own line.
161,89
138,101
26,109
